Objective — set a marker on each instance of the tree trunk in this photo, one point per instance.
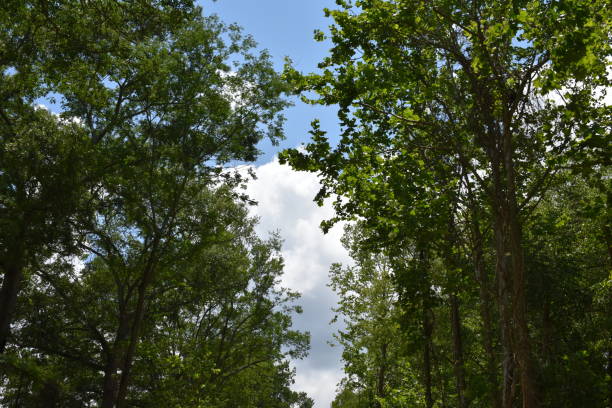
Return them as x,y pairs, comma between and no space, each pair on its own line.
485,313
510,271
113,362
382,371
13,276
494,134
135,331
111,382
49,395
547,332
457,350
427,329
453,264
519,300
504,282
609,372
505,312
427,334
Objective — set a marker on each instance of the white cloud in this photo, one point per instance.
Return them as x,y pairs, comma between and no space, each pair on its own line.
320,385
286,205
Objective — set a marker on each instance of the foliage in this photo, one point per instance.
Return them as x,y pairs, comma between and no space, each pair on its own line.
219,327
371,339
460,121
178,300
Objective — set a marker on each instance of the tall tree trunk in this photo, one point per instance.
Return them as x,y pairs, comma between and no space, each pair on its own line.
547,332
519,299
427,319
427,366
494,134
609,372
453,264
135,330
607,229
504,282
49,395
485,312
510,271
13,276
113,363
382,370
111,381
440,379
457,350
505,312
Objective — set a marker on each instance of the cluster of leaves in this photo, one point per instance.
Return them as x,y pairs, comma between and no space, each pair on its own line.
131,273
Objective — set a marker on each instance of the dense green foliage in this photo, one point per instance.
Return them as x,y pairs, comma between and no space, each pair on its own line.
569,292
473,165
212,336
474,153
131,273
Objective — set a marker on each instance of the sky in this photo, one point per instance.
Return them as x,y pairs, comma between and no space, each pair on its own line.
285,205
285,28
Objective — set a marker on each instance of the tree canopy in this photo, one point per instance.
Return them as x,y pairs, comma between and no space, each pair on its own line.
472,165
459,120
132,275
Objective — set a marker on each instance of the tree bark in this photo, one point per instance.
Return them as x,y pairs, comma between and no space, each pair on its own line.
510,270
458,364
13,277
427,333
504,281
134,336
485,312
607,230
547,332
427,319
382,371
519,301
453,264
113,362
507,328
487,340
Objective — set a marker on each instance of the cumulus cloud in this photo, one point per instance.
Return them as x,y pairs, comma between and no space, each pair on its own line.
318,384
285,204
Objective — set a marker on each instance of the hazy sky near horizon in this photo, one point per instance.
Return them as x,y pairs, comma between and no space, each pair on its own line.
285,28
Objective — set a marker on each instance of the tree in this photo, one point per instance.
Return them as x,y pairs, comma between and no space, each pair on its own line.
368,306
133,78
217,332
569,269
151,111
422,85
42,158
62,51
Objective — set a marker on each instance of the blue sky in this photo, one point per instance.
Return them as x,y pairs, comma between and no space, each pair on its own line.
285,28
